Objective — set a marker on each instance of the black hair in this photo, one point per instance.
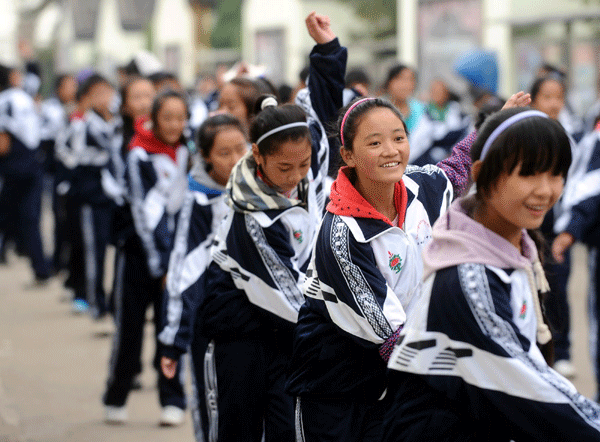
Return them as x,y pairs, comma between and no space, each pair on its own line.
539,82
269,117
85,87
60,79
537,143
250,90
159,77
159,101
205,139
4,77
551,69
357,76
285,92
396,70
303,75
125,88
354,118
486,110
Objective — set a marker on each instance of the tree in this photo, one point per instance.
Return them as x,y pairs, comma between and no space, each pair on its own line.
227,30
381,13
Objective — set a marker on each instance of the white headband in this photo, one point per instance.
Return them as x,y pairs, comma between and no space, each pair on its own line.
280,128
504,125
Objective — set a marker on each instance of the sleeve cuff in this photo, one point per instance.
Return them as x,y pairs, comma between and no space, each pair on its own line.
171,352
326,48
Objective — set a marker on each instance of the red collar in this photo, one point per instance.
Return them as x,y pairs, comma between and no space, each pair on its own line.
597,128
346,201
144,137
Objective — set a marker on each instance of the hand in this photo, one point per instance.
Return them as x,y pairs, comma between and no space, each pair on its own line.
168,367
318,28
520,99
561,243
4,144
163,282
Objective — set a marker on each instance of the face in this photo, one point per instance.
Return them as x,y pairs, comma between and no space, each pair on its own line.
550,99
438,92
230,101
229,146
402,85
101,96
67,90
138,100
288,166
520,202
171,120
380,149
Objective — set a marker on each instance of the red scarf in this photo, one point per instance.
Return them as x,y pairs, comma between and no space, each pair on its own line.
346,201
146,139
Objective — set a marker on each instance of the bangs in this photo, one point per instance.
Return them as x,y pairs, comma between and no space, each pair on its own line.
537,148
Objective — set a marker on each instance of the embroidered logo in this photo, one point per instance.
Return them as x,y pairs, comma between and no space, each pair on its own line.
523,310
395,262
298,236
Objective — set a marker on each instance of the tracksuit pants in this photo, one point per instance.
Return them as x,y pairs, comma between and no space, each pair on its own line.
134,291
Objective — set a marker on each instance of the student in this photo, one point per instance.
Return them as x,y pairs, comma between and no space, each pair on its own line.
238,98
471,363
222,143
400,86
156,181
364,277
22,174
91,141
261,251
580,222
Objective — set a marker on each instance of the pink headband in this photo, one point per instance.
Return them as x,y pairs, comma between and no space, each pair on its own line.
350,109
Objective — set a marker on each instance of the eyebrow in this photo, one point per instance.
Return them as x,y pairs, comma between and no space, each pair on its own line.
399,129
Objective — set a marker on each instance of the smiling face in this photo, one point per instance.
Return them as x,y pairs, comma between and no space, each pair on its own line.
550,98
138,99
286,167
402,86
229,146
380,149
170,120
231,102
519,202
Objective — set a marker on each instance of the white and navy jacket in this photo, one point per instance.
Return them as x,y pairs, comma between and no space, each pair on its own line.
262,249
156,184
467,366
362,282
85,152
432,140
202,212
19,119
54,122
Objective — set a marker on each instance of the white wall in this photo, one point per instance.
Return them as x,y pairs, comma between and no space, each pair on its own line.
173,26
8,32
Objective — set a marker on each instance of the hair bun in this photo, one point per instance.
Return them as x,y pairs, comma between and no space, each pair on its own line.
267,102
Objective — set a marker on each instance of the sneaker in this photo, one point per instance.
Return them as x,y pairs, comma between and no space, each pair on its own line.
115,415
79,306
171,416
565,368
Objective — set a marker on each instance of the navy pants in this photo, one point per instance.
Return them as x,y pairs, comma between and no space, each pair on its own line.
557,307
132,297
594,314
338,420
198,401
245,382
21,208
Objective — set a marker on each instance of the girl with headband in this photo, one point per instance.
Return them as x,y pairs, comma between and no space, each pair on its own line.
364,278
472,359
259,257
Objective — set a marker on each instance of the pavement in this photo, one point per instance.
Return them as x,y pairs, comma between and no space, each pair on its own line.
53,364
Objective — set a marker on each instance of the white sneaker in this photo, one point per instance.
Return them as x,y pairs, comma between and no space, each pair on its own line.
115,415
565,368
171,416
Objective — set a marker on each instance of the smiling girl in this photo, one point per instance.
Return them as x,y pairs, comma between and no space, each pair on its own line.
471,360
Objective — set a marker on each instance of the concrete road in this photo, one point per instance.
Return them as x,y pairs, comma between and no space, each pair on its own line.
53,366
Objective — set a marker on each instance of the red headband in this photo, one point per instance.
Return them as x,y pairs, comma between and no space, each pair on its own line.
350,109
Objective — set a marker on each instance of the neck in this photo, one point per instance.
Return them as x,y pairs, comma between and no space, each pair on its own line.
489,219
380,196
105,114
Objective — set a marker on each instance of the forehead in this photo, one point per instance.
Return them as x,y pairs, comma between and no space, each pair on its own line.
230,92
551,86
172,104
379,119
292,151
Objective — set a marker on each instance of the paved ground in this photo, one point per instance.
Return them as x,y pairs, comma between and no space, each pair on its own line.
53,366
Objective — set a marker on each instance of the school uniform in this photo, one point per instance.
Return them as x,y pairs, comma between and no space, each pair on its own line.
467,365
581,218
435,135
362,283
202,212
259,258
22,173
156,183
86,154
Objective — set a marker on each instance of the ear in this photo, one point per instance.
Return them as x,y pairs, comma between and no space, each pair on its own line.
475,169
347,156
256,154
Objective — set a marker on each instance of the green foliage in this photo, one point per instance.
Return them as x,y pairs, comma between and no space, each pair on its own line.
381,13
227,30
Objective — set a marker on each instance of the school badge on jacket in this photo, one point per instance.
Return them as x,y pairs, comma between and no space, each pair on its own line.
395,262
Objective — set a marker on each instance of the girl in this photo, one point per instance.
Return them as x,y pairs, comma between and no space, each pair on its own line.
156,180
468,366
364,277
400,86
136,100
261,251
222,143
